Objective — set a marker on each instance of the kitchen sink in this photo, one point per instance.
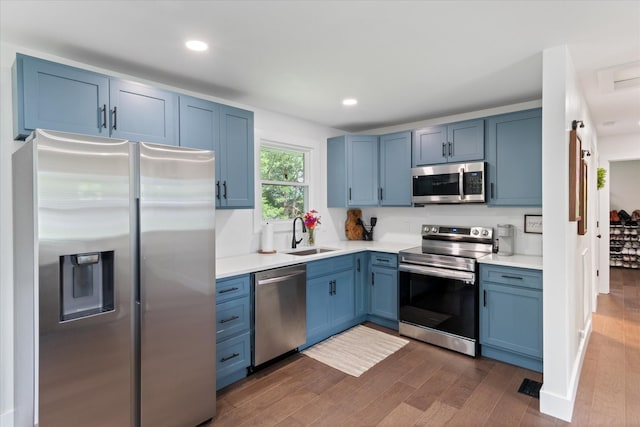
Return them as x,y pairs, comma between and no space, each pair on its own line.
313,251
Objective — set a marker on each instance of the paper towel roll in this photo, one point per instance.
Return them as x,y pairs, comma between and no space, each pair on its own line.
266,242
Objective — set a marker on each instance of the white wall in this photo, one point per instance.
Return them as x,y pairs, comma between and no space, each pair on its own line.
610,150
235,229
567,264
624,190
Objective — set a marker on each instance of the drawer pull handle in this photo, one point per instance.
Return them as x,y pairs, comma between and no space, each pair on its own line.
224,291
233,356
511,277
230,319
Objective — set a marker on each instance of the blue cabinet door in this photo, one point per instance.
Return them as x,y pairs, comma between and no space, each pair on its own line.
514,157
343,301
362,288
236,158
511,318
352,171
199,123
319,296
384,292
362,170
430,146
395,169
143,113
58,97
200,128
337,190
465,141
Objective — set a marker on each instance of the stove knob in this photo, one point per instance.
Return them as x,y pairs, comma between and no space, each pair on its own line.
485,233
434,230
474,231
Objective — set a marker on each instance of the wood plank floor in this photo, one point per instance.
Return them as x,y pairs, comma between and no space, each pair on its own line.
424,385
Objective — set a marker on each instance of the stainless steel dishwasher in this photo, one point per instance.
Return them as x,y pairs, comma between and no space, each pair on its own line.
280,312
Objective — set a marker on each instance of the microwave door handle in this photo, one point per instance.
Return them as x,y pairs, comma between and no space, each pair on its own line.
461,183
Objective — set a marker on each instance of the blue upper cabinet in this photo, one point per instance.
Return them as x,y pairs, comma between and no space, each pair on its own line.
514,157
395,169
235,158
48,95
362,170
451,143
430,146
54,96
143,113
200,128
337,187
229,132
352,171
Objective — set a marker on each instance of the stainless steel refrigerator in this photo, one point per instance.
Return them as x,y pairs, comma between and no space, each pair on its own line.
114,283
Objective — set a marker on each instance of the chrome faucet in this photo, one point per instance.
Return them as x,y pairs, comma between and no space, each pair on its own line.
294,242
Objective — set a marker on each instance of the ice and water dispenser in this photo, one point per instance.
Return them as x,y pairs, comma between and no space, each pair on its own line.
86,284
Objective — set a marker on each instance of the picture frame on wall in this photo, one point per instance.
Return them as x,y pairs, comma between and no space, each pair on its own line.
533,224
575,173
582,222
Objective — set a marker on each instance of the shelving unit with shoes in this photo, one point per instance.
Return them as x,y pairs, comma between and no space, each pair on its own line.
624,241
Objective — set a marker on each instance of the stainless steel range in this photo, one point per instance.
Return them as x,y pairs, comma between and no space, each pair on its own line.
438,286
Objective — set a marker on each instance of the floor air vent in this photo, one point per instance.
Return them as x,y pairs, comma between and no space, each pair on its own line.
530,388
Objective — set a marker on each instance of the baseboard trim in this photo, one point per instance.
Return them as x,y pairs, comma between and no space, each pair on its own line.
6,419
562,406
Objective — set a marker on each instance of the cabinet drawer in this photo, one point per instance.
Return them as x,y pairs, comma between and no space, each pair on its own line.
233,287
521,277
384,260
233,354
329,265
232,317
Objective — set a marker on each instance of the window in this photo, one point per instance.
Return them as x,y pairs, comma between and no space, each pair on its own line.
284,182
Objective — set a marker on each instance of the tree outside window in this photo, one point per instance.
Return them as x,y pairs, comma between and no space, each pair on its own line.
284,183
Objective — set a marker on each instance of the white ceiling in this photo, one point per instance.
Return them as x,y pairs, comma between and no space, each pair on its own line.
404,60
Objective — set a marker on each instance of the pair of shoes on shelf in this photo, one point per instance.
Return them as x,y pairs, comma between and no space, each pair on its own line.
635,215
613,216
623,215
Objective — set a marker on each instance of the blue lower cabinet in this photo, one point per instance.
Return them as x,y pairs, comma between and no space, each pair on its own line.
233,357
362,288
319,298
331,298
511,315
233,329
383,289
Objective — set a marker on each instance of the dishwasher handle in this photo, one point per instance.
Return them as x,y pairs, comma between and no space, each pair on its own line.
277,279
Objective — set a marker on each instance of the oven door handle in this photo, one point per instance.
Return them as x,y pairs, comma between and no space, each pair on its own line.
466,276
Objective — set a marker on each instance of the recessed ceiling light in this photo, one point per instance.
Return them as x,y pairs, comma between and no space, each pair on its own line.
197,45
349,101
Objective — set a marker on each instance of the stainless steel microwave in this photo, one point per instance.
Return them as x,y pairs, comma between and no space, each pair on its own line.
450,183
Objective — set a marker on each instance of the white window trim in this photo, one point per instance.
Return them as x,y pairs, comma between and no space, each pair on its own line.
281,225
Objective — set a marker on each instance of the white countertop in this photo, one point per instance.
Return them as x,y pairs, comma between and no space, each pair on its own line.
241,264
520,261
250,263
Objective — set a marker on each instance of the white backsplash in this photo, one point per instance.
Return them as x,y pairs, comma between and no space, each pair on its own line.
235,234
404,224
